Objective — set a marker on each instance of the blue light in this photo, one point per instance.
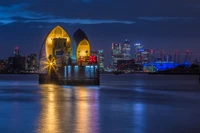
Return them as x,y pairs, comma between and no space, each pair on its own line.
162,65
141,50
186,63
69,71
137,44
65,72
76,70
100,51
87,71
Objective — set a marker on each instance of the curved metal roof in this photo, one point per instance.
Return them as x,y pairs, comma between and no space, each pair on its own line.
79,35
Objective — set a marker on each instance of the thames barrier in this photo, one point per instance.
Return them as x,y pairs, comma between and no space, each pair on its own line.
64,61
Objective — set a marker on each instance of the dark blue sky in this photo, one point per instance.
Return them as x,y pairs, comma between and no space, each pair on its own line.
157,24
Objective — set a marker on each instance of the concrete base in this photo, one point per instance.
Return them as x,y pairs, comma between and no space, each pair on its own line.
73,75
81,82
44,79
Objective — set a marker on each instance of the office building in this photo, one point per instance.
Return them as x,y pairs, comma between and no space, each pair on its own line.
142,55
116,55
101,60
16,63
138,50
126,50
145,56
3,65
31,62
16,51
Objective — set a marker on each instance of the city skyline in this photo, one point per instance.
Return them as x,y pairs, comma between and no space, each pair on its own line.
191,57
156,24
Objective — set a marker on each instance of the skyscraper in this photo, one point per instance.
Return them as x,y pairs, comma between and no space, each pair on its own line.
16,63
101,59
126,50
116,48
141,55
31,62
116,54
16,52
138,50
145,55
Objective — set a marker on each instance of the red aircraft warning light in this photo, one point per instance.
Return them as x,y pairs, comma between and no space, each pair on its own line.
93,59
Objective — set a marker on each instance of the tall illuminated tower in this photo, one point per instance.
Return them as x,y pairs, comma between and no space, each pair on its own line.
138,50
116,54
126,50
31,62
101,59
16,52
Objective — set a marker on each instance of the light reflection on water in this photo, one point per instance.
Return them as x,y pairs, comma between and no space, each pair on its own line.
68,110
49,117
121,104
139,117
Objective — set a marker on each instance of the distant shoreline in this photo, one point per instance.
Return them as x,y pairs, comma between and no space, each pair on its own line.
155,73
19,73
128,73
150,73
163,73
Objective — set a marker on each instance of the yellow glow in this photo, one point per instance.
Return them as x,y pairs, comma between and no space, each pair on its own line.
82,111
59,115
49,40
49,118
57,32
83,49
49,66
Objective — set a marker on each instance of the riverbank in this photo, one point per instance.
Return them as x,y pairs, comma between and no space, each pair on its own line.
165,73
18,73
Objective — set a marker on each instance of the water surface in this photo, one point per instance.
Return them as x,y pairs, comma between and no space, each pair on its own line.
121,104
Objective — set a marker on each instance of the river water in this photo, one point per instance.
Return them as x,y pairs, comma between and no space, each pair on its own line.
121,104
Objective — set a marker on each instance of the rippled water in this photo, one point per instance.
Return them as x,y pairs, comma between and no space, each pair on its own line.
122,104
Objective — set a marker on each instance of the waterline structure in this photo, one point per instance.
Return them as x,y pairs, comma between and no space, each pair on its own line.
67,62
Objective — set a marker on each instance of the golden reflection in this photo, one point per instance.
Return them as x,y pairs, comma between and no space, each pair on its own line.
68,110
49,119
82,112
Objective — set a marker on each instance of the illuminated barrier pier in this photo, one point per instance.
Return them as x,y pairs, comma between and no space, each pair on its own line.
78,75
73,75
67,62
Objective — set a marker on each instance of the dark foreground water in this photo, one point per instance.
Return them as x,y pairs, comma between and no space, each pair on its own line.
122,104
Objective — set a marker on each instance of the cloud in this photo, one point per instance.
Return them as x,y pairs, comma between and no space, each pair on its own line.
80,21
19,13
8,14
6,21
166,18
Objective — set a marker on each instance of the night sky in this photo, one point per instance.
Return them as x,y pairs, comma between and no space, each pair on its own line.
157,24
